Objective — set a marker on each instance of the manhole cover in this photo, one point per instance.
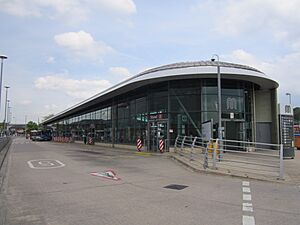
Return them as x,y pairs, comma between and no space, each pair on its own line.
176,186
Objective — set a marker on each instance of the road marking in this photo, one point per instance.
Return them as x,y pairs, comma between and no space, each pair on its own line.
246,183
246,190
248,220
45,164
247,207
143,153
108,174
247,197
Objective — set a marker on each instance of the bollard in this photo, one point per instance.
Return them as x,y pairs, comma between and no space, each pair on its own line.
139,144
281,166
214,156
161,145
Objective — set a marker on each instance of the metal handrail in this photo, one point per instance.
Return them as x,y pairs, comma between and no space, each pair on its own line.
213,155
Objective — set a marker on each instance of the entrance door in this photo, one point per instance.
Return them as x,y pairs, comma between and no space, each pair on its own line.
158,131
234,130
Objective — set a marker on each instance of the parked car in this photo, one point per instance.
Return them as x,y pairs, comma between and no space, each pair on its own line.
46,137
41,138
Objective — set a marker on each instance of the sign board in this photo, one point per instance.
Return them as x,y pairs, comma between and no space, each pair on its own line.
207,130
286,125
184,118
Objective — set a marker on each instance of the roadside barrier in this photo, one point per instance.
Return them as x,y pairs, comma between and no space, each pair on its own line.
230,155
5,142
139,144
161,145
91,141
63,139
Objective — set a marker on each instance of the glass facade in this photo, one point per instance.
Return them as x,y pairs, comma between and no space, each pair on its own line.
165,110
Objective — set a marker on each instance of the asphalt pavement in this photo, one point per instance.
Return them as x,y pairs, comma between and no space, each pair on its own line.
51,183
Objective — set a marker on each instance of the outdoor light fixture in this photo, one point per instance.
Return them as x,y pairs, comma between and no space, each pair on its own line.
2,57
290,98
214,57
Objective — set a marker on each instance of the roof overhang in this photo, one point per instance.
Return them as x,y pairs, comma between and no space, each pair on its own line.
155,76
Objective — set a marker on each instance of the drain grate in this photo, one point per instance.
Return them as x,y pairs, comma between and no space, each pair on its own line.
176,186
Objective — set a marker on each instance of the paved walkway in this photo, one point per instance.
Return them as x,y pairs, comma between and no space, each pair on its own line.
291,168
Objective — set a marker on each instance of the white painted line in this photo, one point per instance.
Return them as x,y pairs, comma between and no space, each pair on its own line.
246,183
248,220
247,197
246,190
45,164
247,207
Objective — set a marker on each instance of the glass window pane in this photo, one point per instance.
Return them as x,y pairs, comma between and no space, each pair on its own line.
209,103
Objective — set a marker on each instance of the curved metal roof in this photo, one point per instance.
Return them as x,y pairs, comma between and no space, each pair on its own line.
183,70
198,63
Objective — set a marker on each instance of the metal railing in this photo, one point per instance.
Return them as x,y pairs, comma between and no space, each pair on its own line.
192,148
4,145
261,159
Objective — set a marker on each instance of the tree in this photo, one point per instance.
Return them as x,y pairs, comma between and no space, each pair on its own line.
297,115
31,126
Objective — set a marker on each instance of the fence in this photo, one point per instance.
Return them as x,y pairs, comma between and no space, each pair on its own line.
4,146
260,159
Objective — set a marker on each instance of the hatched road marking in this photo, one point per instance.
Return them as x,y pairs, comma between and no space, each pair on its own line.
246,190
247,197
248,218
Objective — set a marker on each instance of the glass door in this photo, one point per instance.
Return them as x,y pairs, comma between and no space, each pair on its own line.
158,131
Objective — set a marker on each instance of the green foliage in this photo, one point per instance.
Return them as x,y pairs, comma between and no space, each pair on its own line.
31,126
297,115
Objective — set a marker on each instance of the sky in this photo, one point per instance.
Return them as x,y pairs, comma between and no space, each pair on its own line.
61,52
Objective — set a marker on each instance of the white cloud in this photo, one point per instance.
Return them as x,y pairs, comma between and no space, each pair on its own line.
80,89
278,19
19,8
66,10
82,44
283,69
51,108
118,6
244,57
121,73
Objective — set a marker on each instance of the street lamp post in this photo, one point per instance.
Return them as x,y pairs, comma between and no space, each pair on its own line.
290,98
8,117
25,126
5,114
219,97
2,57
5,109
9,114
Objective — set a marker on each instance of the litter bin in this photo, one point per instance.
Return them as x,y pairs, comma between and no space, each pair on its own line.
288,152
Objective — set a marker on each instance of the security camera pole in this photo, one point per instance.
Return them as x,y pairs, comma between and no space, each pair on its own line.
5,114
2,57
290,98
219,97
